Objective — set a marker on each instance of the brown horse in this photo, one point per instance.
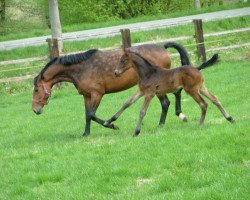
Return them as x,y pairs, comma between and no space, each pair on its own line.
92,74
154,80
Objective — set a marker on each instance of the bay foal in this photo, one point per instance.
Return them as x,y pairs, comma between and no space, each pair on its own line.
154,80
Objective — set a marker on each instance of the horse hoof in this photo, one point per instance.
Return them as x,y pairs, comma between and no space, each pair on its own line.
230,119
114,127
183,117
85,134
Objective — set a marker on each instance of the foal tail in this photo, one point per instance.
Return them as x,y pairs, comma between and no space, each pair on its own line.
210,62
182,51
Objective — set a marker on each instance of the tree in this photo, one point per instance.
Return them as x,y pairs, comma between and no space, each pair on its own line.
2,9
197,4
55,23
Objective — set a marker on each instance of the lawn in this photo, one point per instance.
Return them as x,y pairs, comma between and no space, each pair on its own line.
45,157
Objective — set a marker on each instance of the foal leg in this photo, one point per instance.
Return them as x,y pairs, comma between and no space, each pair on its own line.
143,111
128,103
216,101
178,111
164,105
203,105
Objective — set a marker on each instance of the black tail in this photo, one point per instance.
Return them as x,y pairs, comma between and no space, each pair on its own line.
182,51
210,62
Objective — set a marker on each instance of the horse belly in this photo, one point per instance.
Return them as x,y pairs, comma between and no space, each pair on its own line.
117,84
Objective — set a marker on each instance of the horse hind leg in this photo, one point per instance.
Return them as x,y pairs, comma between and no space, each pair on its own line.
178,110
203,105
164,104
204,91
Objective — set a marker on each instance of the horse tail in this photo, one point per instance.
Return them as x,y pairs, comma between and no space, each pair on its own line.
210,62
182,51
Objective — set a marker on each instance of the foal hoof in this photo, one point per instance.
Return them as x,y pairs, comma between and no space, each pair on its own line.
230,119
183,117
114,127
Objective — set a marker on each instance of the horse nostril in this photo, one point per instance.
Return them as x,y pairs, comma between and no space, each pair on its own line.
117,73
38,112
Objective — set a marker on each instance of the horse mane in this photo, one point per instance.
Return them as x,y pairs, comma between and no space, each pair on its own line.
151,65
69,59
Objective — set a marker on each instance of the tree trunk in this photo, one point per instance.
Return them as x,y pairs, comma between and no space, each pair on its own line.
2,9
197,4
55,23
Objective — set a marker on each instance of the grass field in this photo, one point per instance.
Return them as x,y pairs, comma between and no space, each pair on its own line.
45,157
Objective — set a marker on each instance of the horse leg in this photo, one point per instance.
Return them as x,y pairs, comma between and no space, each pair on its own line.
88,117
203,105
95,101
204,91
128,103
143,111
164,105
178,111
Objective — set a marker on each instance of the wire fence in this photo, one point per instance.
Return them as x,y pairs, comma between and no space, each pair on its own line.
13,62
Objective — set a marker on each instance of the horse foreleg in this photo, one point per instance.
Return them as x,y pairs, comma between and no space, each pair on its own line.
164,105
178,111
87,114
128,103
143,111
95,101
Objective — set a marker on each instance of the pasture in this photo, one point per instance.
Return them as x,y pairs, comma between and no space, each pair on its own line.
45,157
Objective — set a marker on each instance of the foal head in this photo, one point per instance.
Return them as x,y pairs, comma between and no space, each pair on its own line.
125,63
134,59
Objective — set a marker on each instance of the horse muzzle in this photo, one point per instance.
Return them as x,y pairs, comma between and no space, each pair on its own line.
38,110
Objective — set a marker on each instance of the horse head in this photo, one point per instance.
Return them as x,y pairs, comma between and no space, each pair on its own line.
41,94
125,63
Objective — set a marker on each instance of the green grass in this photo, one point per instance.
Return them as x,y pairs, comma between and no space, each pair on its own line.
45,157
39,28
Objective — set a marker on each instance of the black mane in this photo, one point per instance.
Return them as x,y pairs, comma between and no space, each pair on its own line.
68,60
151,65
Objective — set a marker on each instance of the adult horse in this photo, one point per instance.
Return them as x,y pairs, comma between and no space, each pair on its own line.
92,73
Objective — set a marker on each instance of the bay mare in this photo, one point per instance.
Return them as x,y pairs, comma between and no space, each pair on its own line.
92,73
156,81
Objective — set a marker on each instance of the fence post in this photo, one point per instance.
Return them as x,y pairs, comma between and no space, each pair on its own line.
201,51
53,47
53,52
126,38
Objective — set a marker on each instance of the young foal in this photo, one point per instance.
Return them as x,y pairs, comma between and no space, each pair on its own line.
154,80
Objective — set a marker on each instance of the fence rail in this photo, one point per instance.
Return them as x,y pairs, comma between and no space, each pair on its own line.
25,60
126,42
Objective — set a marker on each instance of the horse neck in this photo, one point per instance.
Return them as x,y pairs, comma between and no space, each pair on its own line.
143,67
58,73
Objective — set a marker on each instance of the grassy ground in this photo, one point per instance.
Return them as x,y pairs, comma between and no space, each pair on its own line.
32,28
45,157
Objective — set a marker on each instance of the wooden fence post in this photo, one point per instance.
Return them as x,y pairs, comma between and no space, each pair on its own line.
53,47
126,38
53,52
201,51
